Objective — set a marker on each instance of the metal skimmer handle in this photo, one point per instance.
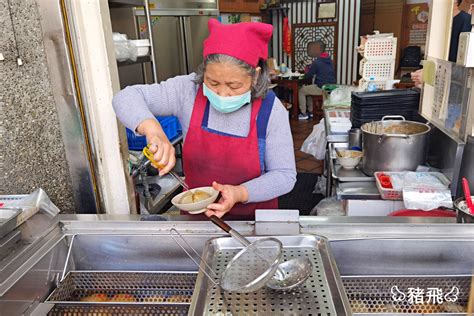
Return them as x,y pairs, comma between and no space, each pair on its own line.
148,154
173,230
225,227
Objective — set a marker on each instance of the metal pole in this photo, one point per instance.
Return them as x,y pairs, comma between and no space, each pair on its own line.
150,37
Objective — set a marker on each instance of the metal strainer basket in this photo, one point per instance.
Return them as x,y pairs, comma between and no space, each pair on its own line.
249,270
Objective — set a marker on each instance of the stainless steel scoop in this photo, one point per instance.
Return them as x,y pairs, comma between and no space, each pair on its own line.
289,274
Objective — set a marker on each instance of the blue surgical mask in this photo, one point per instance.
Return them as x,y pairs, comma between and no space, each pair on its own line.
226,104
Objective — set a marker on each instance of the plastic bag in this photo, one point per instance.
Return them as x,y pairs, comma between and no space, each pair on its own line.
315,143
124,49
342,94
398,180
38,199
328,207
426,199
423,180
119,37
320,186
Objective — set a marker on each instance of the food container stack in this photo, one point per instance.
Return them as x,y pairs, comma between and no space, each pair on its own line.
378,64
373,106
339,121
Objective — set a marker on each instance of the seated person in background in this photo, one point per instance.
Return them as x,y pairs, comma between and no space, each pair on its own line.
461,23
320,73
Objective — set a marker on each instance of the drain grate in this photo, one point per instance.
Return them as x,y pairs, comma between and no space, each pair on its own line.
137,287
313,298
118,310
373,294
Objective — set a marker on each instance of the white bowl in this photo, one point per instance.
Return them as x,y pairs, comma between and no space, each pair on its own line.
198,207
350,158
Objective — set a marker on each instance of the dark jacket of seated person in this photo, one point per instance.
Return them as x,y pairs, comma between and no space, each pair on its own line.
323,68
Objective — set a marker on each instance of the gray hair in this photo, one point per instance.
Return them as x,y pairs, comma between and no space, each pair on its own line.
260,81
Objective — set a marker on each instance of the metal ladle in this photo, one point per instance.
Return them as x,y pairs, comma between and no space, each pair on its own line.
289,274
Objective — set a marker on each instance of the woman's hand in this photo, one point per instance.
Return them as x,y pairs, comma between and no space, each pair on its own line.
231,194
163,153
160,146
417,77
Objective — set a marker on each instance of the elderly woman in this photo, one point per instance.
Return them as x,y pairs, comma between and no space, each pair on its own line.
237,133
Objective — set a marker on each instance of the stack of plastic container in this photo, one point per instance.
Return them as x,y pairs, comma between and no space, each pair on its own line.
378,64
372,106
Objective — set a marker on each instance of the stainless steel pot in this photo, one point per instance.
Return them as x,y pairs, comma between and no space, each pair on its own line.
393,145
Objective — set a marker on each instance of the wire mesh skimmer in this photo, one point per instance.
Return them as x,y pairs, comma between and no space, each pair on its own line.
246,272
258,264
289,274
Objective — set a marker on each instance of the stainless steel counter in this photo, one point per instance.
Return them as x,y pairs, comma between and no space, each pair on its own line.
361,245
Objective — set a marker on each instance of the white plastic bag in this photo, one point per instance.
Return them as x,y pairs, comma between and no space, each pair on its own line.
38,199
315,143
124,49
328,207
119,37
426,199
426,191
424,180
320,186
342,94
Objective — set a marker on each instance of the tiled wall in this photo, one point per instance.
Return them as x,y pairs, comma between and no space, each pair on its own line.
32,149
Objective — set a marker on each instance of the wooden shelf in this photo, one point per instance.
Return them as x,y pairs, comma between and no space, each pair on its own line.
240,6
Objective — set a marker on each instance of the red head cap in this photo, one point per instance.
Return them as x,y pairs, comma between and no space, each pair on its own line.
247,41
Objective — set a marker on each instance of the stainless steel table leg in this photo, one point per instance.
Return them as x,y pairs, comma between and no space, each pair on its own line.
328,174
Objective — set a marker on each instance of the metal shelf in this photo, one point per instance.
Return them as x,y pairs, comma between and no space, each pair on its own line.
146,6
126,3
346,175
140,60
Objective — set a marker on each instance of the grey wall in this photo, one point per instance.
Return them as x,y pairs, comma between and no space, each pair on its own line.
32,150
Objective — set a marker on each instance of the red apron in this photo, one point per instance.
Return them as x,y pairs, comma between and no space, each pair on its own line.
210,155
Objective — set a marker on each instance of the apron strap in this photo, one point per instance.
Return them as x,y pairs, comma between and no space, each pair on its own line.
262,124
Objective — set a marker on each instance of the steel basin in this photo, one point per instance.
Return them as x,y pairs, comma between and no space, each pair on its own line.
132,253
371,268
95,252
403,256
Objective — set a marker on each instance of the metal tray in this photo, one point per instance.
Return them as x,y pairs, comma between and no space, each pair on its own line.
8,220
322,294
357,191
